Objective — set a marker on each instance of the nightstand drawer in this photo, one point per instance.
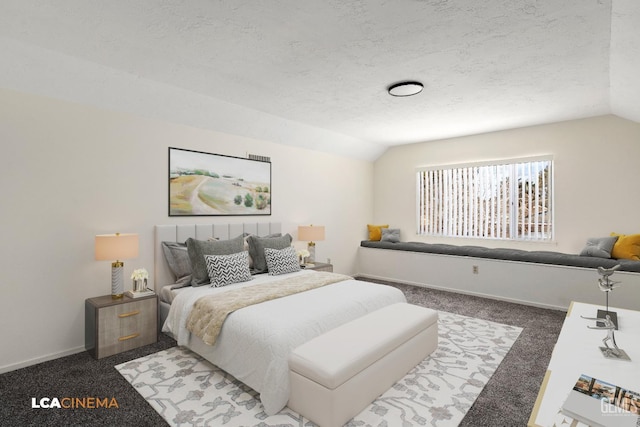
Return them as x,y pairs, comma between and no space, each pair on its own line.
120,325
126,326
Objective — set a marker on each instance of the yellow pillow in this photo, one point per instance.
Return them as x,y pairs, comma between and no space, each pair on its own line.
626,247
375,231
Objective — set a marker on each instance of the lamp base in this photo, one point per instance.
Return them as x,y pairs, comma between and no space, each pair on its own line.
311,247
117,280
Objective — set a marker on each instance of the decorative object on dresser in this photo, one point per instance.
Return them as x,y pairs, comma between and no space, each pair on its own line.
606,285
311,234
113,326
595,402
206,184
607,324
116,246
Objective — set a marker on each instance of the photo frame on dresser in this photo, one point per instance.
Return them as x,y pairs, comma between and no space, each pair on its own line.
207,184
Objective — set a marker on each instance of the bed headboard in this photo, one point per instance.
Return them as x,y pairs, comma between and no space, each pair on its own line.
181,232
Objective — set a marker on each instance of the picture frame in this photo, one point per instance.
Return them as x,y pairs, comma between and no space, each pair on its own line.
208,184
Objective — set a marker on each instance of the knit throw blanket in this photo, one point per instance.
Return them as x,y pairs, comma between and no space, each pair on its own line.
209,312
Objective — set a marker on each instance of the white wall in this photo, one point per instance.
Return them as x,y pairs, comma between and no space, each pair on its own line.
596,178
72,171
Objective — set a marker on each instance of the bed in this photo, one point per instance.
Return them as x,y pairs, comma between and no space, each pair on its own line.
254,342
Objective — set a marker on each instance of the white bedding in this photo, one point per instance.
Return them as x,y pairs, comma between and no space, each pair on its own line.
255,342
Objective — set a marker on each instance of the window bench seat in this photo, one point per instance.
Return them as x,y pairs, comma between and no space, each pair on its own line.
539,278
541,257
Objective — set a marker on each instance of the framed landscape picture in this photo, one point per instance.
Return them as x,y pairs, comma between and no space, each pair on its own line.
213,184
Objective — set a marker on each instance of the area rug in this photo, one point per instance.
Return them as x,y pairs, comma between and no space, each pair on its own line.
187,390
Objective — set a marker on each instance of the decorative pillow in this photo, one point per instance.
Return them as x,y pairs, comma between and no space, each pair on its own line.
178,261
375,231
246,244
257,246
626,247
281,261
224,270
599,247
197,249
390,235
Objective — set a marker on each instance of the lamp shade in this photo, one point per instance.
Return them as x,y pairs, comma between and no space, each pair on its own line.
110,247
311,233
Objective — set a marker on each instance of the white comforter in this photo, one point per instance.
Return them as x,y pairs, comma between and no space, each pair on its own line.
255,341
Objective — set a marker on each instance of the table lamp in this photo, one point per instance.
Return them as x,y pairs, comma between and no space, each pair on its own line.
311,234
116,246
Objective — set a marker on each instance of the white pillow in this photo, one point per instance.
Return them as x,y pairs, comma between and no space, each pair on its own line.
281,261
224,270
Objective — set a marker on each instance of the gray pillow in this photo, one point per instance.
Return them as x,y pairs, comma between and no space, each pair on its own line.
390,235
246,244
257,246
599,247
178,261
197,249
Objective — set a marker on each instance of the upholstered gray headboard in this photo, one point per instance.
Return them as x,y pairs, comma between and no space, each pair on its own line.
180,233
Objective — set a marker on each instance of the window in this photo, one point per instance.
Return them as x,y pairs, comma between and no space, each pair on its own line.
511,199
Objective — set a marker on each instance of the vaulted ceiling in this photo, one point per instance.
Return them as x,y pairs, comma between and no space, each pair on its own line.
315,73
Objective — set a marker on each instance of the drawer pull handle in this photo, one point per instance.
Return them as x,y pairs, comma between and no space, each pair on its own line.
128,337
131,313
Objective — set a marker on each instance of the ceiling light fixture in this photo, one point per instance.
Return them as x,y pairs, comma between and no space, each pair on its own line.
407,88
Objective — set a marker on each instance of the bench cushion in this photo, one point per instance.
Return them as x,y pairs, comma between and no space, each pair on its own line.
334,357
538,257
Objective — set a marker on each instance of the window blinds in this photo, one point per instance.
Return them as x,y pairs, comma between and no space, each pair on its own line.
507,200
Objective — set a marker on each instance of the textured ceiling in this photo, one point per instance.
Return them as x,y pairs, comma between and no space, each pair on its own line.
314,73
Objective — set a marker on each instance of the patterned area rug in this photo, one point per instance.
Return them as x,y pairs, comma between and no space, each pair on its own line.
189,391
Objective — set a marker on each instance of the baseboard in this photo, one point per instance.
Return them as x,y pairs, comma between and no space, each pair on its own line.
458,291
35,361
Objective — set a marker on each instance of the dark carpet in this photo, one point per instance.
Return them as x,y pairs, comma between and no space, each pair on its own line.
507,400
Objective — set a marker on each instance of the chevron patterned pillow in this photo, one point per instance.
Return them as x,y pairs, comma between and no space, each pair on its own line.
281,261
227,269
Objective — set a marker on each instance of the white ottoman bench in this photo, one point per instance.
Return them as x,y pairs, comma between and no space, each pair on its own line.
337,374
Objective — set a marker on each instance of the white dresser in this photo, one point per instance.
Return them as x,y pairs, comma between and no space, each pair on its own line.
577,352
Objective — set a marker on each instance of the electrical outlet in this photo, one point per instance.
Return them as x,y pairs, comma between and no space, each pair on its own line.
328,260
475,269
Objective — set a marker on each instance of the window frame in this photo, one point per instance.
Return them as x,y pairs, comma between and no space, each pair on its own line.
544,236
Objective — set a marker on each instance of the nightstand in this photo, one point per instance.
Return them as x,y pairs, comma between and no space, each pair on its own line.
320,266
112,326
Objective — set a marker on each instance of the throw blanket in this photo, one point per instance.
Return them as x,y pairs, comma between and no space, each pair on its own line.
210,312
